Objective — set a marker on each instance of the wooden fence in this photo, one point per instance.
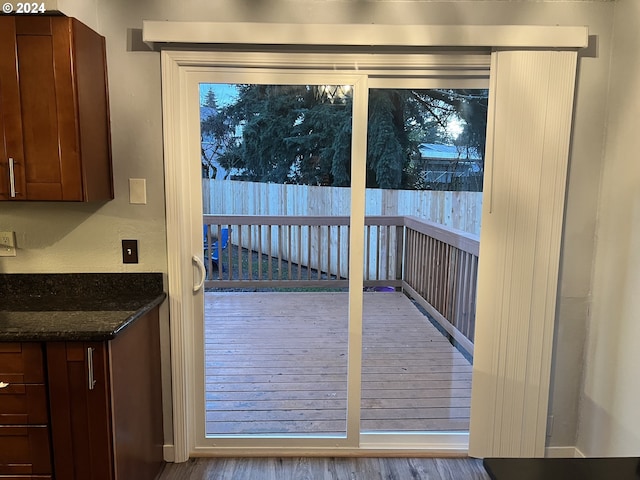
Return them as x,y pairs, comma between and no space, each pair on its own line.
457,210
435,265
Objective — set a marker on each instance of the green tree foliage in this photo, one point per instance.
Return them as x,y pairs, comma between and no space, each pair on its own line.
216,135
291,134
386,140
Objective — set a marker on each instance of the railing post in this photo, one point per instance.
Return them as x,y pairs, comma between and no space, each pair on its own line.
399,252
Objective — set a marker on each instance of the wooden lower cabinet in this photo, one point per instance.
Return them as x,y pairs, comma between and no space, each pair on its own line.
83,410
105,405
80,417
25,448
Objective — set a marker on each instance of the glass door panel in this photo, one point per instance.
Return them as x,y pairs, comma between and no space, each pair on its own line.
276,173
425,161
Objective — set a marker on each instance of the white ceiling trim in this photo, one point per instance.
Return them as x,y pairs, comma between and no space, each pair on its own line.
500,36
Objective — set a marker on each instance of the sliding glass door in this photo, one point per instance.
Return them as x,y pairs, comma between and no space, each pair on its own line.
276,296
278,338
425,162
309,311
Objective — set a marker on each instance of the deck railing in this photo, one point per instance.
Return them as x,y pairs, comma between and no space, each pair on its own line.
440,272
300,251
436,265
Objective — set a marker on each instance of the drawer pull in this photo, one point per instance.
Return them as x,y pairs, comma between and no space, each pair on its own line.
3,385
92,382
12,178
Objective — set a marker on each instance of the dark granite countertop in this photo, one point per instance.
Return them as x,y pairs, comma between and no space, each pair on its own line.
74,307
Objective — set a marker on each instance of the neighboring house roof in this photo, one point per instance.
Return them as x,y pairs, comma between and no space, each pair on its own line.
438,151
450,160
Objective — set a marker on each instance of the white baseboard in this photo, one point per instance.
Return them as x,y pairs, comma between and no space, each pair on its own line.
562,452
550,452
168,453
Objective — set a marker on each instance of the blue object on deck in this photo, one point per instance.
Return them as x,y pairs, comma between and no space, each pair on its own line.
223,241
384,289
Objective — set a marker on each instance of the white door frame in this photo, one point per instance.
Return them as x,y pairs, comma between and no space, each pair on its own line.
202,444
499,433
437,72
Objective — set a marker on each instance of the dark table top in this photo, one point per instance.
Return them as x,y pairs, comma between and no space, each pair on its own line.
618,468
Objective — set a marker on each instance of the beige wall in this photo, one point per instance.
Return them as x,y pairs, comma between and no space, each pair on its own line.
610,413
66,238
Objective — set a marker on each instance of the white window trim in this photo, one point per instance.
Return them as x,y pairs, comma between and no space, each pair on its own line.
494,36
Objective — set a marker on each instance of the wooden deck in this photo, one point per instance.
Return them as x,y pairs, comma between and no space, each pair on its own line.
276,363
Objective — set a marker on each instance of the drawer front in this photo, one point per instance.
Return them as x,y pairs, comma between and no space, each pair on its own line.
21,363
23,404
24,451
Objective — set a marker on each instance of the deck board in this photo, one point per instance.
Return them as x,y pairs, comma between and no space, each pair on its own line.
276,363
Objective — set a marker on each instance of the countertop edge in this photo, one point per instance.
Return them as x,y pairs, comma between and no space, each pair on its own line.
138,313
86,335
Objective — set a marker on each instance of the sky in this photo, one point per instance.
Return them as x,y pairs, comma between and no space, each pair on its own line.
225,93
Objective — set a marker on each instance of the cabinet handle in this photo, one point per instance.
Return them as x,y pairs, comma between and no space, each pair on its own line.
92,382
3,385
12,178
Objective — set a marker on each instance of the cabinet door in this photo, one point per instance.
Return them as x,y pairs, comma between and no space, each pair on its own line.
54,116
24,416
21,363
51,151
80,410
24,450
23,404
12,181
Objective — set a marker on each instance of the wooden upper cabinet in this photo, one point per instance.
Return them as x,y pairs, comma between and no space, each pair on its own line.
54,112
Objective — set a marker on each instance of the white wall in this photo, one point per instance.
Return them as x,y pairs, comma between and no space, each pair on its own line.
610,399
66,238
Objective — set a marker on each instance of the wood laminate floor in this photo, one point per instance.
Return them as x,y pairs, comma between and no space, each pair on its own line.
326,469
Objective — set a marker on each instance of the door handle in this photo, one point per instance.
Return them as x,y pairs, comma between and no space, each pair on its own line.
12,178
3,385
203,273
91,377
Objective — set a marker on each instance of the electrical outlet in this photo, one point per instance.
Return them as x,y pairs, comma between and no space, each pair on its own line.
129,251
7,244
8,239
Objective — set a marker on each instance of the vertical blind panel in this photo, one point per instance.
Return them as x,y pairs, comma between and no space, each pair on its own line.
529,133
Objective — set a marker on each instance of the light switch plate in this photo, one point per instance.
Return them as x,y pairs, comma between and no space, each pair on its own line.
138,191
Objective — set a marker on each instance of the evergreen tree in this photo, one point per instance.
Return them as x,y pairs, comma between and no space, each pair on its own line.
385,152
290,134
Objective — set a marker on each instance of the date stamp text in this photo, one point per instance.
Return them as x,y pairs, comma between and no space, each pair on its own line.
19,7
